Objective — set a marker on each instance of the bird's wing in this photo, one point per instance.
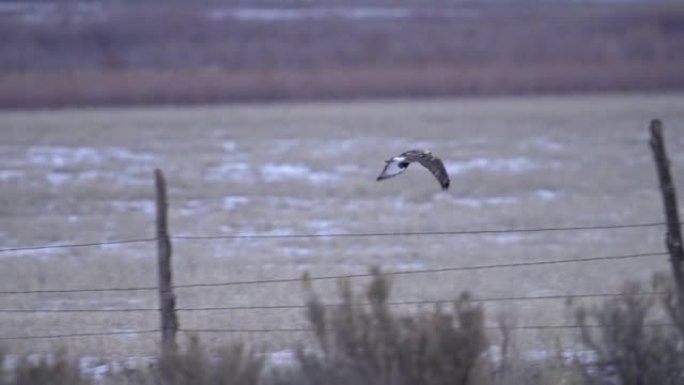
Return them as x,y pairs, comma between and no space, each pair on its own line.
435,165
393,167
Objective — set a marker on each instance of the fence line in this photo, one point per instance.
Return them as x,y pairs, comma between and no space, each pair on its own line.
76,245
94,334
348,276
122,310
415,233
343,235
424,271
95,290
304,330
294,330
284,307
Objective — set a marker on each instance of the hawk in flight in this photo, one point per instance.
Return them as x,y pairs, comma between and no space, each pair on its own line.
398,164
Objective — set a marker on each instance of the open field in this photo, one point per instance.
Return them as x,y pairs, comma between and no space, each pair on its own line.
85,175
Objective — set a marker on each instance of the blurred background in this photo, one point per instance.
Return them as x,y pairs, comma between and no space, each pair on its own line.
271,120
69,52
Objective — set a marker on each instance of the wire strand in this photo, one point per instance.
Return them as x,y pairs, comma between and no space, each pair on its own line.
292,330
306,330
347,276
76,245
284,307
77,310
423,271
338,235
416,233
95,334
423,302
95,290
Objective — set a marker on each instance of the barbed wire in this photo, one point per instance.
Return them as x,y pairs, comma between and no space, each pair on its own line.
426,302
77,245
294,330
285,307
415,233
298,279
339,235
346,276
94,290
122,310
306,329
422,271
69,335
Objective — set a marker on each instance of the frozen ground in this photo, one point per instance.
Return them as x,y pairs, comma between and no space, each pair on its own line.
80,176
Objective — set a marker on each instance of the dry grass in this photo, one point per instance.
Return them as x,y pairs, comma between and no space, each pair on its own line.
57,369
583,160
118,53
199,86
625,347
378,345
361,339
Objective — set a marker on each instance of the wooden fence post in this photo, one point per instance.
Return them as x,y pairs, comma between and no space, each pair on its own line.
673,238
167,300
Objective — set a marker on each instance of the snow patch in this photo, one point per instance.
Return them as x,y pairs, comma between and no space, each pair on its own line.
278,172
295,251
231,202
480,202
542,143
409,266
61,156
283,145
517,165
192,208
282,358
6,175
58,179
322,227
272,172
507,239
146,207
124,154
230,170
547,195
229,145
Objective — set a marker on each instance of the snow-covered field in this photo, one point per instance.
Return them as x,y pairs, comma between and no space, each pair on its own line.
81,176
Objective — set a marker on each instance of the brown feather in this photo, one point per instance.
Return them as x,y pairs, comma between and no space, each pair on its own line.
431,162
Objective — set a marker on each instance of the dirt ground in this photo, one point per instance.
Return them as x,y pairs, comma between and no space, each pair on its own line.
85,175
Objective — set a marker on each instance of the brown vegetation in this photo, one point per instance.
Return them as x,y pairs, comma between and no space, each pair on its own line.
626,344
132,53
375,345
362,341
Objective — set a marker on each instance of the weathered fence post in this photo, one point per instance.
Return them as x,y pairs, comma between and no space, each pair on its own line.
673,238
167,300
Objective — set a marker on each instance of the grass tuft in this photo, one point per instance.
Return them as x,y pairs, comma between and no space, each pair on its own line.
362,341
233,364
55,369
628,348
